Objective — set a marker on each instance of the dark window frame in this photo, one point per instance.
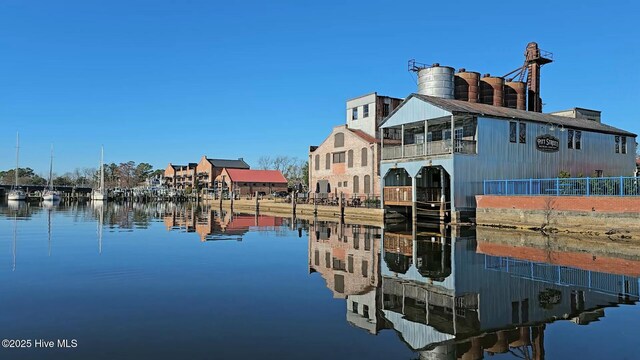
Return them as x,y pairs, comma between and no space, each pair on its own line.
522,133
513,132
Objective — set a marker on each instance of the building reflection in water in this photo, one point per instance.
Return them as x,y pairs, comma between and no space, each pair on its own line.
348,258
218,224
451,296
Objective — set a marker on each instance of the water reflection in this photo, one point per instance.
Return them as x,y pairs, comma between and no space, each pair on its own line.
447,293
449,296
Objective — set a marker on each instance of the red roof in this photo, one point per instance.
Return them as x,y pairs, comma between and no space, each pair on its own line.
363,135
264,176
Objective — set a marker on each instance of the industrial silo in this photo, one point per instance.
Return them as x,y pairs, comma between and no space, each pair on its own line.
515,93
466,86
491,90
436,81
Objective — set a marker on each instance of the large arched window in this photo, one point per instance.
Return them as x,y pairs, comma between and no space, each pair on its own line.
350,158
364,157
367,184
327,161
317,162
338,140
356,184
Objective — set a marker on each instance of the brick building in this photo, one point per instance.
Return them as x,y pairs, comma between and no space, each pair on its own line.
347,160
248,182
202,174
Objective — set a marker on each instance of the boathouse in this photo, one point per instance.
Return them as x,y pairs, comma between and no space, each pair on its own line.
448,147
247,182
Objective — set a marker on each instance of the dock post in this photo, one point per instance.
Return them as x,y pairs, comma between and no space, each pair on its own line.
341,207
233,195
257,203
293,202
315,205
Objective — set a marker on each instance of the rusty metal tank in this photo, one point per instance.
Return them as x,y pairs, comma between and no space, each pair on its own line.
436,81
466,86
515,95
491,90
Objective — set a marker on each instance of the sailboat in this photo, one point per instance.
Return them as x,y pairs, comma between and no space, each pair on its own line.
49,194
100,194
17,194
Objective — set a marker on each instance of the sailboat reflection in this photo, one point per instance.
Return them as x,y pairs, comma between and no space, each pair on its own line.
447,297
98,206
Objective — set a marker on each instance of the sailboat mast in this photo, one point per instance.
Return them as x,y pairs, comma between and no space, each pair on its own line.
51,170
102,169
17,156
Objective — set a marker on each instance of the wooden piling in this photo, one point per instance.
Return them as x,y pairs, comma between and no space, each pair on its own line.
257,203
341,207
293,203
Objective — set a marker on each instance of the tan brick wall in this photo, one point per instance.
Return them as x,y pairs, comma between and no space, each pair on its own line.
340,173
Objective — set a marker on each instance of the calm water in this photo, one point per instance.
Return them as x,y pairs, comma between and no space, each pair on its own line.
177,282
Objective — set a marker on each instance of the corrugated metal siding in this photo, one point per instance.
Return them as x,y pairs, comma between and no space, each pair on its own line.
414,110
498,158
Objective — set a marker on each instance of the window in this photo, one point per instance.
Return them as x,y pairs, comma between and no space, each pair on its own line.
338,140
363,157
512,131
344,183
327,161
365,268
570,139
446,134
365,111
350,158
354,113
523,133
365,311
385,110
623,145
354,307
317,162
338,158
367,184
617,144
578,140
356,184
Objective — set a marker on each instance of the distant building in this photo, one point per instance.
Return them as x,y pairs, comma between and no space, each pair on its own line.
179,176
210,169
247,182
202,174
348,160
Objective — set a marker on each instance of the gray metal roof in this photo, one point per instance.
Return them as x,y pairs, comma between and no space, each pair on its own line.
458,106
231,164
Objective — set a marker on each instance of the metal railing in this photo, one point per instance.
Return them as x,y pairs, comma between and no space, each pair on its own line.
604,186
563,275
440,147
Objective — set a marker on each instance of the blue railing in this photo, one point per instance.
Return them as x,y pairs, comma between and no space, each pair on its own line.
566,276
602,186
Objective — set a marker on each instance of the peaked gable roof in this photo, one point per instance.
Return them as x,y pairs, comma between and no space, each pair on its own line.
465,107
265,176
229,164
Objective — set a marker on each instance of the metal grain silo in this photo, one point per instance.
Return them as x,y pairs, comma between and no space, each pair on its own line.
466,86
515,93
436,81
491,90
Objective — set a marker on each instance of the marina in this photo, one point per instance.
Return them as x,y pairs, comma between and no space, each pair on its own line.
428,292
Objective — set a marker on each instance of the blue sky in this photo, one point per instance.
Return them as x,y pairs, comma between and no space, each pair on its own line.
168,81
